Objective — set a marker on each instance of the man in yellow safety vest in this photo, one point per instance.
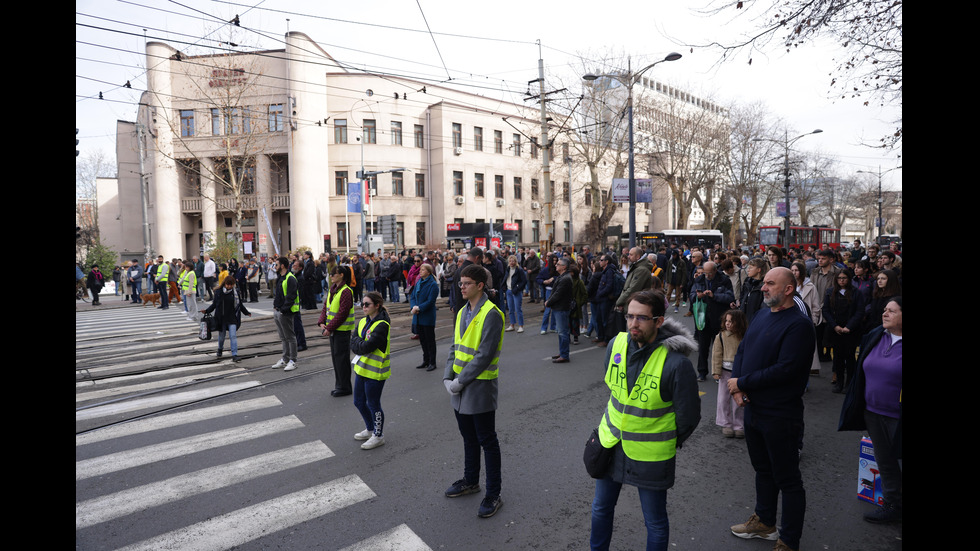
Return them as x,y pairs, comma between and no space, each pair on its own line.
653,407
471,379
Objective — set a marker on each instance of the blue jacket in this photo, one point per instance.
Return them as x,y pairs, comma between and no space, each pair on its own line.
424,294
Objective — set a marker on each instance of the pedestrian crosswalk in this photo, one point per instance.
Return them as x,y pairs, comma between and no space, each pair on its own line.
129,320
262,443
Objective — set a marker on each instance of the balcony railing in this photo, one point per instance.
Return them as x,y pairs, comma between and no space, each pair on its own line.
226,203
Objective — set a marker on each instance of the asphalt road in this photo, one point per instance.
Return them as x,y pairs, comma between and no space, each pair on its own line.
545,413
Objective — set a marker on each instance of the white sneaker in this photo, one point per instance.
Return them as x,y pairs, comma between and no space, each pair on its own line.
544,332
290,366
280,363
373,442
509,328
520,328
363,435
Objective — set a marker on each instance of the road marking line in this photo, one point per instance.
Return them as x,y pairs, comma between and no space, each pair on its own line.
161,400
244,525
399,538
118,461
108,507
175,419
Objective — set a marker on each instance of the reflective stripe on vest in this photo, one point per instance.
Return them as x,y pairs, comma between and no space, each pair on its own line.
187,281
467,344
348,324
295,307
375,364
639,418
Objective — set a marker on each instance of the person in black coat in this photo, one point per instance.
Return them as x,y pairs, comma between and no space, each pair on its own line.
843,309
95,282
228,310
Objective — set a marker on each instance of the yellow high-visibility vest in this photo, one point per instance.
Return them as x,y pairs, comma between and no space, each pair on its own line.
295,307
638,417
377,363
467,344
334,310
187,281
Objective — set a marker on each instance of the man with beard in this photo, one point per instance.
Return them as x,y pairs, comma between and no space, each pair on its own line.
769,375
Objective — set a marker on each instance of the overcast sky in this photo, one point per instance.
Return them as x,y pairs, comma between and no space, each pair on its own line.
493,52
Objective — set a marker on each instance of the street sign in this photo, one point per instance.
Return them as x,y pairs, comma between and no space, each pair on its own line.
389,228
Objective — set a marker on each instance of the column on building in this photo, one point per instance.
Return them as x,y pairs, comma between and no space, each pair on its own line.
209,220
309,212
263,205
168,239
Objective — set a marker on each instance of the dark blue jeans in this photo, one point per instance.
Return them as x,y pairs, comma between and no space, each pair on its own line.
773,446
367,400
653,503
479,431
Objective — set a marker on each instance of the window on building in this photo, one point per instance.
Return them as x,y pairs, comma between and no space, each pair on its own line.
517,145
186,123
477,138
216,122
498,187
340,131
588,198
400,234
370,131
534,190
396,133
534,148
237,122
275,118
420,185
398,183
340,182
535,231
478,185
341,234
517,187
457,135
498,141
520,230
457,182
565,192
420,233
419,131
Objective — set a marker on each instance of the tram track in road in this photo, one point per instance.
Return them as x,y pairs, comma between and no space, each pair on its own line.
135,366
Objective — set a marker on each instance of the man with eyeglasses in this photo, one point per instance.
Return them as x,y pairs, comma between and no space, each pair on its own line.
653,408
471,380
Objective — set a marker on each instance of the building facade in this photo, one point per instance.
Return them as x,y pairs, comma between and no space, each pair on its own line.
270,142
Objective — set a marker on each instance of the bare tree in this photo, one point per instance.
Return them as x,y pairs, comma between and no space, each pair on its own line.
753,146
811,174
596,126
869,33
217,162
93,165
688,149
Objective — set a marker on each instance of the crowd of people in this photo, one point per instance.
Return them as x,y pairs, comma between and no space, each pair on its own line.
765,320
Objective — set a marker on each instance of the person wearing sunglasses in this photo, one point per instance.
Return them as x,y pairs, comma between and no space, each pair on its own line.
371,341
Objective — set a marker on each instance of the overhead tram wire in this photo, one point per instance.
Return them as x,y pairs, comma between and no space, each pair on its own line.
350,66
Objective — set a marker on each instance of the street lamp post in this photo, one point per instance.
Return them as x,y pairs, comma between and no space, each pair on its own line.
629,79
786,143
880,174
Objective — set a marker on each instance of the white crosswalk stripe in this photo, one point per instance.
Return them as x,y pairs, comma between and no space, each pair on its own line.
249,523
234,528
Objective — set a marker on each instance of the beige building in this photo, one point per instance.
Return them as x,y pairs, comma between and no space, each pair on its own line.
269,141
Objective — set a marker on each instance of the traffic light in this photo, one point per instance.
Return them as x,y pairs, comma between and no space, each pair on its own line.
76,142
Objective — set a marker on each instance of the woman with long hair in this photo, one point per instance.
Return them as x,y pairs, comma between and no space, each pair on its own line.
886,286
843,310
